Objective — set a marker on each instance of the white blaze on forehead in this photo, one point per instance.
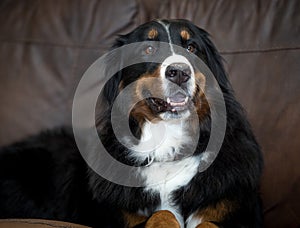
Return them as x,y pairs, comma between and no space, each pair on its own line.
166,27
174,58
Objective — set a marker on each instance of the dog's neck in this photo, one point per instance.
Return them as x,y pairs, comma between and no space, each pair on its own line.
161,141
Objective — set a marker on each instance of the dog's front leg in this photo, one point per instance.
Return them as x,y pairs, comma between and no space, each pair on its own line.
205,218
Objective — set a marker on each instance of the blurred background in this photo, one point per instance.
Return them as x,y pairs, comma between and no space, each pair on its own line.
47,45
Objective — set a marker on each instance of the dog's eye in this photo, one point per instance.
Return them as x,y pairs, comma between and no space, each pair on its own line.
191,48
150,50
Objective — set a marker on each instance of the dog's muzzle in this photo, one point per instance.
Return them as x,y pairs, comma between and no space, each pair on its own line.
178,73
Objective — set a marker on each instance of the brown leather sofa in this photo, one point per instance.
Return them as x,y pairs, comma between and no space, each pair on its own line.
46,46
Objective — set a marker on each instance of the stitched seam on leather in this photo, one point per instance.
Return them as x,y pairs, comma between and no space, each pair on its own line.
84,46
259,50
37,42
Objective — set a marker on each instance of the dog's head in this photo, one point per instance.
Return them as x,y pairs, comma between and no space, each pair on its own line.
173,86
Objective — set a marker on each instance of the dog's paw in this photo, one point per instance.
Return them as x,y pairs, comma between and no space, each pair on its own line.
162,219
207,225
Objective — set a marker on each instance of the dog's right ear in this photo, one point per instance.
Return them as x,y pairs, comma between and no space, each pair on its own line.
111,88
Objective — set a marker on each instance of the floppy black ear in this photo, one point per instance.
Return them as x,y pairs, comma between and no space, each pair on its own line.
111,88
214,60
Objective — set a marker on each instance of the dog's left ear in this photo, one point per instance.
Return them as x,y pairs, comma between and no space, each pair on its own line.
214,60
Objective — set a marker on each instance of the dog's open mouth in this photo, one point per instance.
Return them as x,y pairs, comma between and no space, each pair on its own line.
175,103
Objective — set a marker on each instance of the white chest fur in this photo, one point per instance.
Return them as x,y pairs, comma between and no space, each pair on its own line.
166,177
162,142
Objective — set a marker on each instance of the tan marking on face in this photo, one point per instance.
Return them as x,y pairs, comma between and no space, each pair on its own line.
200,80
141,110
185,35
200,101
143,83
121,85
133,219
152,34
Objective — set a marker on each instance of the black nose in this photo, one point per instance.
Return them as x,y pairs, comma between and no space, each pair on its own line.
178,73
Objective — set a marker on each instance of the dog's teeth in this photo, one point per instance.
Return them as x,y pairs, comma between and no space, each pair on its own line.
186,100
177,103
168,100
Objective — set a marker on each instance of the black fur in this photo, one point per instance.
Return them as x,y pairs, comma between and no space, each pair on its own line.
46,177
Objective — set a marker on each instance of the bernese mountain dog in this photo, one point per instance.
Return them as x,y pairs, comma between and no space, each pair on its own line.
172,117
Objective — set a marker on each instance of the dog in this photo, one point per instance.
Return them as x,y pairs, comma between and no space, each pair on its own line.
46,177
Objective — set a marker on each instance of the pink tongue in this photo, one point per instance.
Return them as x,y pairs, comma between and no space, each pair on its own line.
178,98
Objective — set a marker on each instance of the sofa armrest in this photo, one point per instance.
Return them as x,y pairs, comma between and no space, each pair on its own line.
36,223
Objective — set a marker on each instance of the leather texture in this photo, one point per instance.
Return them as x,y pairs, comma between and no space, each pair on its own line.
46,46
36,223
